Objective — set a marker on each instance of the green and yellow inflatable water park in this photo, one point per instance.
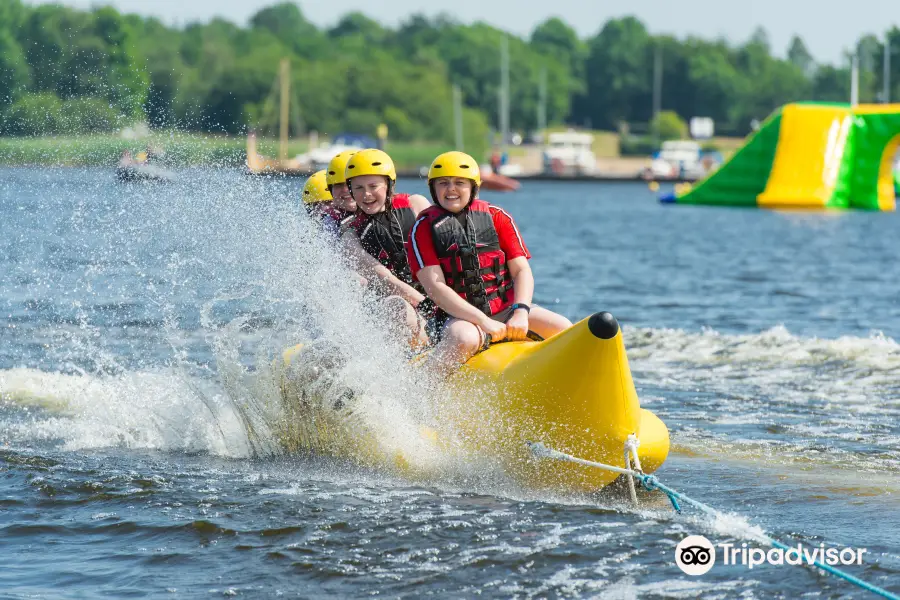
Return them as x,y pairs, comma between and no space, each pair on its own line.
810,155
572,392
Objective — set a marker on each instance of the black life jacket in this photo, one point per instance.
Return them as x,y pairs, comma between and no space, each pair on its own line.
473,264
384,235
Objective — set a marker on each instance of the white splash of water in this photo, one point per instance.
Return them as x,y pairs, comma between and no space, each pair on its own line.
150,410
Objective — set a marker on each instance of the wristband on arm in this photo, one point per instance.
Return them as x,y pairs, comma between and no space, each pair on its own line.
521,305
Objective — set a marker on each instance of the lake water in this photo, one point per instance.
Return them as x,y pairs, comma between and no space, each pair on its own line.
137,319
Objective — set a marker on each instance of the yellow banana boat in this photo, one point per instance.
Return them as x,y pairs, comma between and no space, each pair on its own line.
573,392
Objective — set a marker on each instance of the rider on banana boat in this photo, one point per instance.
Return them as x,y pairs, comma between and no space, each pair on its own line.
316,196
377,237
473,263
342,209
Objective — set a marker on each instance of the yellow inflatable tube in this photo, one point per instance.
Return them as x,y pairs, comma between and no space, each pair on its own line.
573,392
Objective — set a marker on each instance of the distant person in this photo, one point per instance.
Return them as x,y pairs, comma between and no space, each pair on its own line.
472,261
381,134
496,160
377,237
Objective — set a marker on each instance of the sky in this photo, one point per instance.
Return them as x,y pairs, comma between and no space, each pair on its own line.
827,31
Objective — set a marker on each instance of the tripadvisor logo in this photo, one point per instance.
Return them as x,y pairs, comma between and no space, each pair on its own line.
696,555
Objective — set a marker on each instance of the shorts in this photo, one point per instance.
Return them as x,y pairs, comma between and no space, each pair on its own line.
434,325
435,322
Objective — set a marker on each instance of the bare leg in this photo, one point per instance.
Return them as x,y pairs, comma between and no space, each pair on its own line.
460,342
412,321
545,322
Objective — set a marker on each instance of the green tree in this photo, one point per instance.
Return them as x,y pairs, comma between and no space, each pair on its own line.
287,23
419,33
892,36
799,56
867,50
555,39
43,43
713,80
617,71
669,126
157,47
678,93
322,91
12,14
831,84
73,53
14,72
760,39
221,76
770,83
358,24
88,115
33,114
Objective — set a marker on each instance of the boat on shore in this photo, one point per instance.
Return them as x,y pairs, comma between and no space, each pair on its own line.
260,165
569,153
496,182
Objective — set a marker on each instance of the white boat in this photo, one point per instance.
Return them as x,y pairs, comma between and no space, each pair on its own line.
682,159
569,153
319,157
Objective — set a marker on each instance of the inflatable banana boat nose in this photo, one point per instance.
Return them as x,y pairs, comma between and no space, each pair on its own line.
573,392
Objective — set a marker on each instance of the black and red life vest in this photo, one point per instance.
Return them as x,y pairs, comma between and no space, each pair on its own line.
384,235
468,248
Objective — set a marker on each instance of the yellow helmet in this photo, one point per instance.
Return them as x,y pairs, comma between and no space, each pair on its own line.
335,171
315,189
371,162
455,164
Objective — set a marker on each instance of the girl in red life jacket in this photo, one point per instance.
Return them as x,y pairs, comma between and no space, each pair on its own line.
376,238
471,259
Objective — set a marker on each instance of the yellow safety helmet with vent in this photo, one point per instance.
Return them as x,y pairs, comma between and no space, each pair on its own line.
335,173
370,162
455,164
315,189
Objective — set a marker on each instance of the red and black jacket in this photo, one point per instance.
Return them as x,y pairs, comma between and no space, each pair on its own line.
468,249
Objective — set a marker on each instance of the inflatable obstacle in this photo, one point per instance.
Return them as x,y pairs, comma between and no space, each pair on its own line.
810,156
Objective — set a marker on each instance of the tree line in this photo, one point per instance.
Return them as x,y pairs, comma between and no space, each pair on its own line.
64,70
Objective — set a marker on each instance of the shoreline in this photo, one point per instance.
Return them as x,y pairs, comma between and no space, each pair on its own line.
401,174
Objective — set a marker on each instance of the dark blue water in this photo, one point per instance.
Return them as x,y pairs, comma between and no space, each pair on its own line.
138,320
